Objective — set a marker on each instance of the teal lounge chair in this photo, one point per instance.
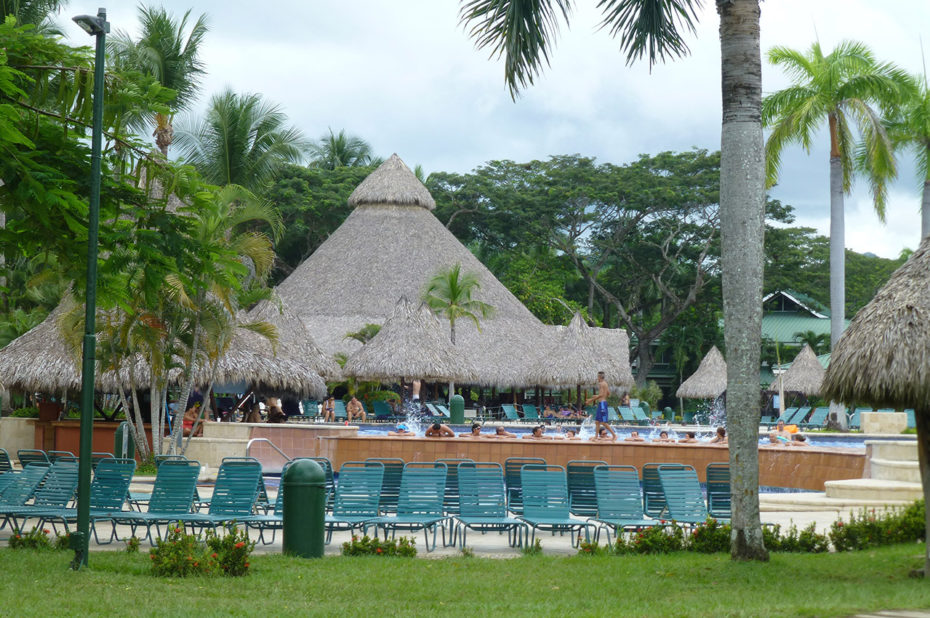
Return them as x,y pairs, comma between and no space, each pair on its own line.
172,497
619,500
529,412
22,487
450,503
5,464
327,466
854,419
54,456
383,411
626,415
234,495
612,416
512,468
55,492
799,416
547,505
483,503
510,412
390,484
718,490
911,420
339,410
432,409
684,500
443,410
28,456
653,495
419,505
766,420
789,414
818,418
357,495
581,486
639,416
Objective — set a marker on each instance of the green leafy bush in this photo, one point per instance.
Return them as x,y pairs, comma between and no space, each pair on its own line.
37,538
794,540
532,550
656,540
25,413
586,548
710,537
180,555
62,542
868,529
367,546
132,545
231,551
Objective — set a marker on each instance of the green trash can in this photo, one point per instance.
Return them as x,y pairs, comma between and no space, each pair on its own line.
123,444
645,407
304,487
669,414
457,410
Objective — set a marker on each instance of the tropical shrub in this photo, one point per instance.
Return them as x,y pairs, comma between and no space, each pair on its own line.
230,552
180,555
367,546
37,538
710,537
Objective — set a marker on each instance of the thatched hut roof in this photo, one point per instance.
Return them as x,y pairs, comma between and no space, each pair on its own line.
576,354
883,358
392,184
615,343
294,340
411,344
805,375
391,246
40,359
253,359
710,379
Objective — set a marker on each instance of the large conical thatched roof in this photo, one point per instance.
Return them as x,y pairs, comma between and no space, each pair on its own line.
710,379
883,358
392,184
411,344
294,340
804,376
616,345
391,246
575,355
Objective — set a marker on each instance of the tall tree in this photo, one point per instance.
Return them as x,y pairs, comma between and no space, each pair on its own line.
242,140
911,130
846,88
168,51
35,12
340,150
522,32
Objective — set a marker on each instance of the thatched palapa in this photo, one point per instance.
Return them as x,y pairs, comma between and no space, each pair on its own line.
391,245
411,344
576,355
805,375
710,379
294,340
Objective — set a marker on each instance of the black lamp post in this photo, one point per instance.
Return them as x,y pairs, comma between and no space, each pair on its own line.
97,27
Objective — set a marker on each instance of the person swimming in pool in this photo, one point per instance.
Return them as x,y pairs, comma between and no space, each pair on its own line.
401,430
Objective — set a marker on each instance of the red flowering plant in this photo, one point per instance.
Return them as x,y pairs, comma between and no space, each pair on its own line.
180,554
230,551
367,546
37,538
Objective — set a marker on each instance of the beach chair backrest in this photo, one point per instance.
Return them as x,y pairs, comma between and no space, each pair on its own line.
510,412
683,496
626,414
612,416
110,488
789,413
530,412
618,492
5,464
432,409
59,485
236,490
450,501
175,486
545,492
382,410
97,456
339,409
481,490
327,466
653,495
359,489
799,416
24,485
718,489
54,456
27,456
512,468
581,486
443,410
390,485
422,489
639,415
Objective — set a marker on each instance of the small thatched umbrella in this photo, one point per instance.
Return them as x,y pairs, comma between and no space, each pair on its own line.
412,343
294,340
710,379
805,375
253,359
883,358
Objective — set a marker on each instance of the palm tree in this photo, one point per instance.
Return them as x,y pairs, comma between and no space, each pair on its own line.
35,12
522,33
449,293
166,53
340,150
842,88
912,130
817,341
242,140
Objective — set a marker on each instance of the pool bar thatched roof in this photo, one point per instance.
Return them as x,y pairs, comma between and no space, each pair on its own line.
710,379
805,375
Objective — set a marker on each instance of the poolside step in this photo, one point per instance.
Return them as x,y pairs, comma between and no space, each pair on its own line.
894,470
873,489
791,502
905,450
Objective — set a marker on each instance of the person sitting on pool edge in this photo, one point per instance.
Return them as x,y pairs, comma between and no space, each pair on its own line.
401,430
501,432
634,437
438,430
474,433
537,434
721,437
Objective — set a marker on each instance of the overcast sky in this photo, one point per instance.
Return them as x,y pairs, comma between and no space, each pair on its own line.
404,76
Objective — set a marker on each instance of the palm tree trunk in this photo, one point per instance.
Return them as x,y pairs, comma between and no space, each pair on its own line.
925,211
837,252
742,219
923,456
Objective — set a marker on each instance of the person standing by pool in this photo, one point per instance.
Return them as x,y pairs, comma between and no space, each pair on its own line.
600,416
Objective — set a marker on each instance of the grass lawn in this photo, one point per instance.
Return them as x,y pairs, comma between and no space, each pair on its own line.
38,583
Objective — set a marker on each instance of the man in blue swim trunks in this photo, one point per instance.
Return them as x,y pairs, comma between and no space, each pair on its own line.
600,417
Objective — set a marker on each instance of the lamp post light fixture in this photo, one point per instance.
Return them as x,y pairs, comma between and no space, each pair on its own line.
97,27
